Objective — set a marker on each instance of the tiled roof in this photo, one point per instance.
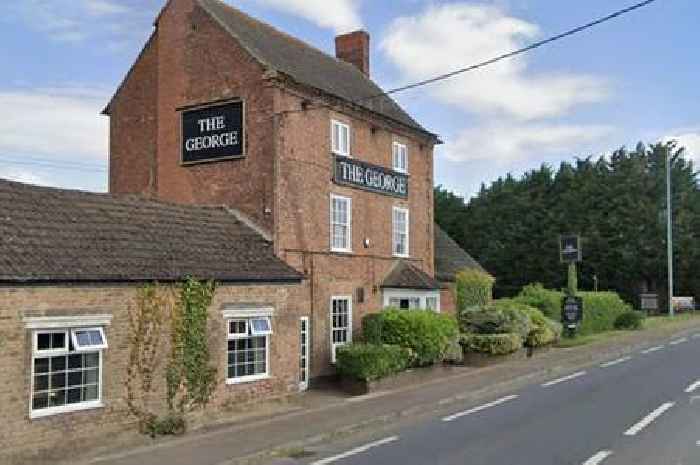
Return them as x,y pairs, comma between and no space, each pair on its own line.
49,235
406,276
450,258
305,64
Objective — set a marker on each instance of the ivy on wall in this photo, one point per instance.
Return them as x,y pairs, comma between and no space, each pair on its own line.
189,374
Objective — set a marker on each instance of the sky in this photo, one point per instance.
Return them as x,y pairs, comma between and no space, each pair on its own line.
634,78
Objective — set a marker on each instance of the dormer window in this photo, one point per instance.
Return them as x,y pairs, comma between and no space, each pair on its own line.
400,157
340,138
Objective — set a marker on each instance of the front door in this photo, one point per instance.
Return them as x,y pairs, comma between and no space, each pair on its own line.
304,353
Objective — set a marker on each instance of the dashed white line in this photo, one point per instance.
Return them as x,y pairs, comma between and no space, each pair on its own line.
355,451
652,349
564,378
678,341
696,336
615,362
647,420
480,408
692,387
598,458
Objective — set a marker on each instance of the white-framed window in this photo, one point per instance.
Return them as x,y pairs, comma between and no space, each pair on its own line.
66,370
341,223
340,138
405,303
431,303
400,232
341,323
248,348
400,157
412,299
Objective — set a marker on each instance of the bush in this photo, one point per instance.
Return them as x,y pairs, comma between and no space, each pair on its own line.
600,309
492,344
498,317
544,331
474,289
368,362
426,333
629,320
545,300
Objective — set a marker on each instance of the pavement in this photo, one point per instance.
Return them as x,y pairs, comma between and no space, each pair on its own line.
568,406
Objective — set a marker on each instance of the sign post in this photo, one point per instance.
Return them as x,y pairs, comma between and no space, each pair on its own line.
572,306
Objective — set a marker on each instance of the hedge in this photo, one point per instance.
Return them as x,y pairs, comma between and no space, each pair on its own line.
492,344
369,362
629,320
500,316
474,288
544,331
600,309
428,334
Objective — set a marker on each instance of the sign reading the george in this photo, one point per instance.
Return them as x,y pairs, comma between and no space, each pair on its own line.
570,248
571,311
355,173
213,133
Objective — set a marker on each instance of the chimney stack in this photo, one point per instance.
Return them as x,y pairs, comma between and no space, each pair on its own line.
354,48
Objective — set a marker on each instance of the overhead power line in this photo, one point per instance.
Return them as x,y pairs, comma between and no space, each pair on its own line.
512,54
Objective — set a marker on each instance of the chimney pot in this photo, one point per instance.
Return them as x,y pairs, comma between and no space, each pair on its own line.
354,48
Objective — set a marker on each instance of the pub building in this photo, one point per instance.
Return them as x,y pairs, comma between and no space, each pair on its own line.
238,154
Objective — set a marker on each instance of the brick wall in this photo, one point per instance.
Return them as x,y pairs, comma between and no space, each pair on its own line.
55,436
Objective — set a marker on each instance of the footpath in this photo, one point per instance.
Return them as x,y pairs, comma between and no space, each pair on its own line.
320,416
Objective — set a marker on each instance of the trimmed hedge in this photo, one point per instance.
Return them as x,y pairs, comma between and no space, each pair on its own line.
474,288
629,320
492,344
428,334
544,331
370,362
498,317
600,309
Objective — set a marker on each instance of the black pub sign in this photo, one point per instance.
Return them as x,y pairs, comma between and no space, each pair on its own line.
570,248
213,133
571,311
355,173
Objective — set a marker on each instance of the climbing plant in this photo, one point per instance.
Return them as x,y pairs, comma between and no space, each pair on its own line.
191,379
147,314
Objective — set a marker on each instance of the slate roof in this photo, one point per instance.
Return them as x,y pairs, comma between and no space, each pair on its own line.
54,235
450,258
305,64
406,276
280,52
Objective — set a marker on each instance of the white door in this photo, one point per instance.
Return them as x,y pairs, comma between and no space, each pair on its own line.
341,323
304,353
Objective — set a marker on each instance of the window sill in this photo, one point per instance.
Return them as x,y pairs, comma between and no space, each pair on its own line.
247,379
47,412
343,251
402,255
344,155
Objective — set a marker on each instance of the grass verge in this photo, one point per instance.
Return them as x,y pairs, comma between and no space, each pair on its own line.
654,322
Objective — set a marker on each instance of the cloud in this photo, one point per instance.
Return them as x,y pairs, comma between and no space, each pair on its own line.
449,36
103,7
54,122
22,175
339,15
690,140
508,143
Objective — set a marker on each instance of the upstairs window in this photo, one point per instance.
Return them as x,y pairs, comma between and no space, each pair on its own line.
400,157
400,232
341,224
340,138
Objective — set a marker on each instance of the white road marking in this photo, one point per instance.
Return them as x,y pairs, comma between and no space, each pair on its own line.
652,349
598,458
355,451
615,362
692,387
564,378
480,408
678,341
696,336
647,420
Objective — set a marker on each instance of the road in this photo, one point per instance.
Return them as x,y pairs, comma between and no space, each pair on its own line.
642,409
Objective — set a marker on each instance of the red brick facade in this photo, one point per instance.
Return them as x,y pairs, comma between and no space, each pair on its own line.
284,182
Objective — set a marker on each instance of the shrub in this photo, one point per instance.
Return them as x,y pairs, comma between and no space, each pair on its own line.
368,362
544,331
474,289
600,310
426,333
546,300
629,320
500,316
492,344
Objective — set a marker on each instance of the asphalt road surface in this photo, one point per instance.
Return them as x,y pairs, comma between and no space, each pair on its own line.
643,409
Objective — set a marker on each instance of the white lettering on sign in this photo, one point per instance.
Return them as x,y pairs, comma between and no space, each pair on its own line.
214,123
226,139
373,178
